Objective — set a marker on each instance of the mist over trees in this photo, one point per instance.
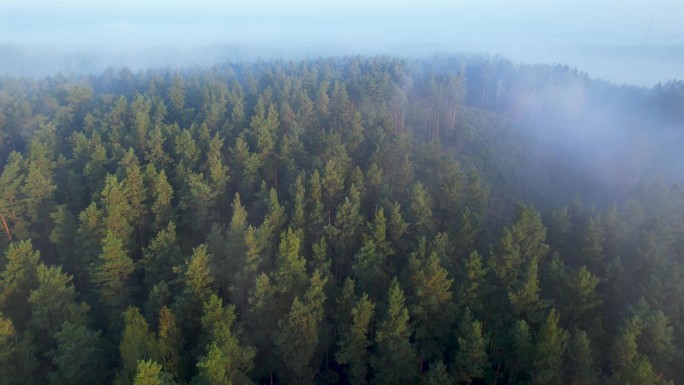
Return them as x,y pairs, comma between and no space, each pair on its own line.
351,220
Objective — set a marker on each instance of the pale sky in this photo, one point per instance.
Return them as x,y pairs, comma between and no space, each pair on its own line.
478,21
511,27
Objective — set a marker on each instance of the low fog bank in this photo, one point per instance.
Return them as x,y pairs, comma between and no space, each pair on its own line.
42,60
605,150
640,65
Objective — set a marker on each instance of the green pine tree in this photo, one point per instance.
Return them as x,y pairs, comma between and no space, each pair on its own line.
579,361
18,278
220,331
170,344
549,350
470,361
111,271
137,343
432,309
297,337
395,360
78,357
355,340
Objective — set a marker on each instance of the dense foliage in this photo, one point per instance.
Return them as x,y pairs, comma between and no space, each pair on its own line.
349,220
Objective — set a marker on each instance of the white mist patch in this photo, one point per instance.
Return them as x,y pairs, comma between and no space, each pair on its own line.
581,140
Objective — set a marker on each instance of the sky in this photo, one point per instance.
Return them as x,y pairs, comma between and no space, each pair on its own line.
582,33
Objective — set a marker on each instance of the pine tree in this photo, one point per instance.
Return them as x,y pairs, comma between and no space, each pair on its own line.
519,352
476,194
346,230
215,168
467,230
135,190
298,334
53,302
639,372
117,210
148,373
78,357
443,247
155,154
160,256
421,211
623,351
111,271
397,227
159,296
550,346
162,195
197,275
63,236
196,201
273,221
580,296
137,343
250,266
261,321
263,128
297,218
438,375
378,233
474,287
643,341
529,233
524,295
246,166
370,270
345,302
515,272
220,332
432,309
316,217
448,193
11,207
176,96
212,368
89,236
289,277
20,274
579,361
333,184
18,361
97,164
185,149
230,248
169,344
470,360
506,260
657,341
140,109
39,188
355,340
395,360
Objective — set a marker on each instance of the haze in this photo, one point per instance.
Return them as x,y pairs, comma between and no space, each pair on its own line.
637,42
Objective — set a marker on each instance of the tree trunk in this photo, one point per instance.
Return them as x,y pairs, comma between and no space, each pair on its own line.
4,223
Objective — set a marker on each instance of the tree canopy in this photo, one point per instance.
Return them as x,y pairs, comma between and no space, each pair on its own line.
360,220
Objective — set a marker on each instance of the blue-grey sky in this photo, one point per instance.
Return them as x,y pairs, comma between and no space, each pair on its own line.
524,30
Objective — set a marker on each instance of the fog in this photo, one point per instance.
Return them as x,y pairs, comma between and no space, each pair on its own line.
599,144
638,42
